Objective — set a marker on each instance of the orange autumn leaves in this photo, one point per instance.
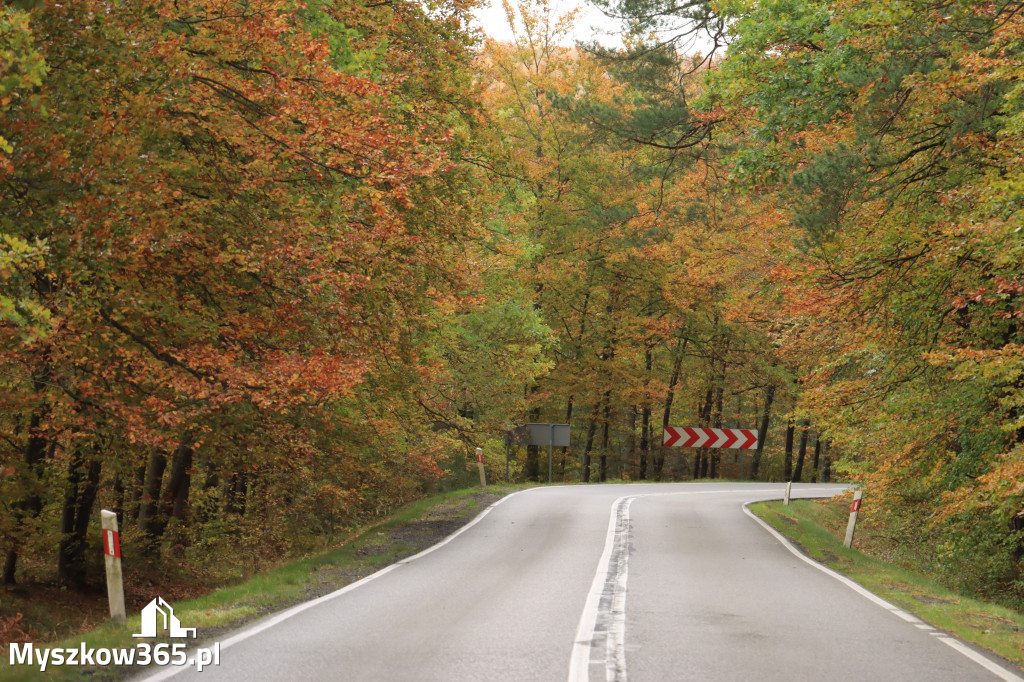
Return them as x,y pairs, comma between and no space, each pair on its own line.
238,207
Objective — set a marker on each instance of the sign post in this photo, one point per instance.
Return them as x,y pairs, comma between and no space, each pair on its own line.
854,510
551,452
112,559
541,434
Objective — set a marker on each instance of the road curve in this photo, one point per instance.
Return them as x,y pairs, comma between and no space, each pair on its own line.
612,582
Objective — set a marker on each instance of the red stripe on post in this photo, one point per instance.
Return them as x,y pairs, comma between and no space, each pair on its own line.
112,543
855,507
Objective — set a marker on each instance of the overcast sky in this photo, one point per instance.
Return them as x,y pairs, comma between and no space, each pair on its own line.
491,19
591,25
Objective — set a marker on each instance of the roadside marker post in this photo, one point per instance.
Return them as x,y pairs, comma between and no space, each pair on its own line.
854,510
789,490
480,463
112,559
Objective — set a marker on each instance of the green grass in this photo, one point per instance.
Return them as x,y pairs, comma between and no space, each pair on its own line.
228,608
819,528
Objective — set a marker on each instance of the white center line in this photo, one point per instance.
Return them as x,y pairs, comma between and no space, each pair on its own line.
604,613
613,602
606,581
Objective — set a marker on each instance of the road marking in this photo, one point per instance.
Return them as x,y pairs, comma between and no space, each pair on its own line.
958,646
579,664
604,612
166,673
612,611
606,580
614,538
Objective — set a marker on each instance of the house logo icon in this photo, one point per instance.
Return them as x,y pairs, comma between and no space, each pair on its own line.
170,622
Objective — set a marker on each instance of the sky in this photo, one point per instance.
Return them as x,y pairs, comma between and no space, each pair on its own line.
591,24
491,18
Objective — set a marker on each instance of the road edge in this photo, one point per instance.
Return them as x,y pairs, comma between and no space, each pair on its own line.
255,628
958,645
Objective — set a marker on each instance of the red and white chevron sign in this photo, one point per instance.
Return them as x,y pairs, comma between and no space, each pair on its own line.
685,437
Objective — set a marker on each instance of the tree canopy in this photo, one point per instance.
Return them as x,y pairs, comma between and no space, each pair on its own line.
270,255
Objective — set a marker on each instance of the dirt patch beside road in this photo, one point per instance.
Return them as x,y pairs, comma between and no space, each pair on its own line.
381,548
220,612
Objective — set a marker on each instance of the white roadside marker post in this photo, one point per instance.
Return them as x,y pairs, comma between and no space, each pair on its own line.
112,558
480,463
854,510
789,489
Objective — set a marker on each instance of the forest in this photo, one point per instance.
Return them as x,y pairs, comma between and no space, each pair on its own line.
272,268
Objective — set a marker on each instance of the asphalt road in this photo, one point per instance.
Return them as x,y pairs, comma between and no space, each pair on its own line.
645,582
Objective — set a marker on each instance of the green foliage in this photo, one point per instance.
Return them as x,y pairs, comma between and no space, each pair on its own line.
232,274
19,262
889,130
22,66
262,255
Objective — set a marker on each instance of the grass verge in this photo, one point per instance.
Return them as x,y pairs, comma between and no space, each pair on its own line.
818,528
413,529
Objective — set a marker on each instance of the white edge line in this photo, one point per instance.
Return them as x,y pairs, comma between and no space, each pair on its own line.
169,672
579,663
955,644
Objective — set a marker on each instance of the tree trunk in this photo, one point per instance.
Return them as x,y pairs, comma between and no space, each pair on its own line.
119,494
645,439
1016,526
659,458
79,498
716,453
136,497
802,451
604,435
87,501
32,504
762,432
700,460
179,483
591,430
10,566
210,477
67,520
148,522
568,420
628,446
531,469
817,458
787,472
645,416
826,464
237,491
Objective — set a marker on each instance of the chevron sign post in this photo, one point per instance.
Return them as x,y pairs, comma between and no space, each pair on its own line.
734,439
